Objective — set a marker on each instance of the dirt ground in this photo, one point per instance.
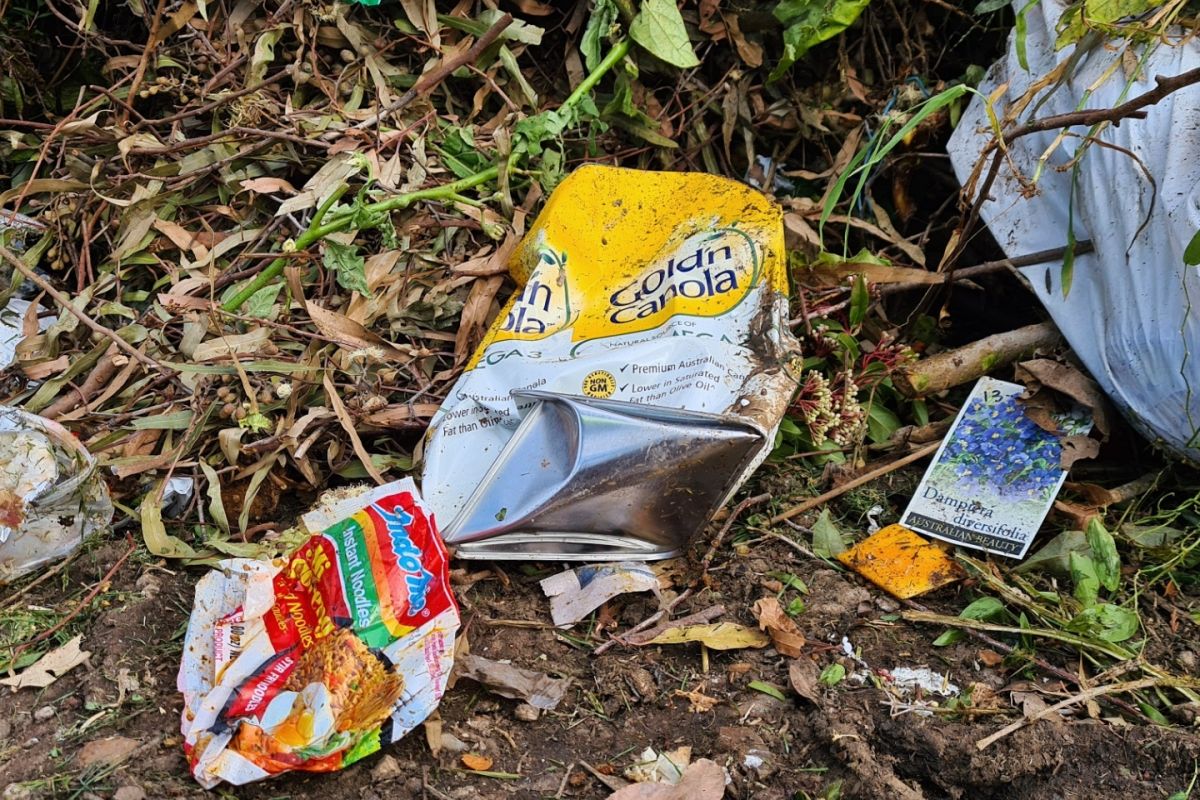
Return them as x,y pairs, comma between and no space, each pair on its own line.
122,706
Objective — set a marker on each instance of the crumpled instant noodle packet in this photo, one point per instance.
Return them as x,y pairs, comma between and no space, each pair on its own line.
631,384
315,663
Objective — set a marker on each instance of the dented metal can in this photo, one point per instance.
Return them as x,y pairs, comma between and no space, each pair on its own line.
631,384
582,477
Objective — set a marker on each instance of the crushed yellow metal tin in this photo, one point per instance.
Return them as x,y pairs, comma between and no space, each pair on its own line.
902,563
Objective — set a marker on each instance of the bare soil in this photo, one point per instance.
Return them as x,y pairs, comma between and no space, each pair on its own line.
621,702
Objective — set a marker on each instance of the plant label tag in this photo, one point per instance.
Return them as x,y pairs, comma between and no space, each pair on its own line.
996,474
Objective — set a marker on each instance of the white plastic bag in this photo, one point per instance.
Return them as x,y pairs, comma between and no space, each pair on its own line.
1128,312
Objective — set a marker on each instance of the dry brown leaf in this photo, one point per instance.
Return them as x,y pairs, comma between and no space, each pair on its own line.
50,667
173,24
178,303
400,416
241,344
423,15
536,688
698,700
835,274
801,235
702,780
785,636
349,333
805,679
1067,380
1077,448
174,232
894,236
990,657
474,316
110,751
716,636
433,733
750,52
44,369
1033,706
339,408
230,442
268,185
534,8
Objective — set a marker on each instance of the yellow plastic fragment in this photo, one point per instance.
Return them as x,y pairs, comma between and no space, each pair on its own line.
902,563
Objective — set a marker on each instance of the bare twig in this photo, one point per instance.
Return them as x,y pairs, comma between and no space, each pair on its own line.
82,604
1041,663
220,101
964,364
697,618
866,477
147,51
1083,697
65,302
721,534
988,267
1164,86
646,623
441,73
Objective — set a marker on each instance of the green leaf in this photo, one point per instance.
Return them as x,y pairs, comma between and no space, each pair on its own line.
622,112
1022,29
985,608
832,675
988,6
869,157
1105,621
347,265
807,23
1157,718
1054,555
920,412
881,423
659,28
949,637
175,421
216,506
1191,254
1068,266
517,30
767,689
827,539
1151,536
860,300
1086,579
354,470
600,23
1108,11
1104,552
795,608
790,581
154,532
264,54
261,302
256,423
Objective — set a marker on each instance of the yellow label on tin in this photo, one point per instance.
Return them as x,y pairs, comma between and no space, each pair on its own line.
597,263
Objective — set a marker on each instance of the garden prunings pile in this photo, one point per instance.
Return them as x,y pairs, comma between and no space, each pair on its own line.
258,242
